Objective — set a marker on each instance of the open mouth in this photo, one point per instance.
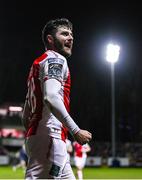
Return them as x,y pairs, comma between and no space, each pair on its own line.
68,45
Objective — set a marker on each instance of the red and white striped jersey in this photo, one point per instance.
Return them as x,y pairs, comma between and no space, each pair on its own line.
80,150
51,65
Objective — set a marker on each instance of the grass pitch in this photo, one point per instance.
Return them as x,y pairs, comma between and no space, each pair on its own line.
6,172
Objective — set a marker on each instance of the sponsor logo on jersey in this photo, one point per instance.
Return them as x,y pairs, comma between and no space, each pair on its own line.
55,60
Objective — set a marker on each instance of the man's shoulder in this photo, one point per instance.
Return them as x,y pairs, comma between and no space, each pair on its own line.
54,55
40,58
50,57
55,58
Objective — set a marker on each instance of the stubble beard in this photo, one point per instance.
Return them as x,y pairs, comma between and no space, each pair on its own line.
60,48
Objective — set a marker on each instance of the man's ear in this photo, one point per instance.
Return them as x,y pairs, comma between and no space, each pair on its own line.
50,39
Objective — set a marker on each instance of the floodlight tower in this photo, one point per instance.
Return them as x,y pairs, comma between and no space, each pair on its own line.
112,56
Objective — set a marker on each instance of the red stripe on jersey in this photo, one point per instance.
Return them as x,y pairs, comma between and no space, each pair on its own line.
66,92
41,58
67,86
64,133
35,96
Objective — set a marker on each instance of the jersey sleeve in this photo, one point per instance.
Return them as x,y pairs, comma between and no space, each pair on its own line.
53,100
54,73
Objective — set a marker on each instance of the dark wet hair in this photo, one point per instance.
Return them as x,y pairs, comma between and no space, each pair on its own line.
52,26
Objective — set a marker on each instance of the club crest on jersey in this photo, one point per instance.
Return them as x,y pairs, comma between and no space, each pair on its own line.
55,60
55,71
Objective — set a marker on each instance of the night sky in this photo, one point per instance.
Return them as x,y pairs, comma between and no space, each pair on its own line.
95,24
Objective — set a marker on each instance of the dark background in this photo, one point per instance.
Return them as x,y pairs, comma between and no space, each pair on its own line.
95,24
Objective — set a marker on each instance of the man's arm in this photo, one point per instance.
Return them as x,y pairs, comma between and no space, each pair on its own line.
53,100
26,114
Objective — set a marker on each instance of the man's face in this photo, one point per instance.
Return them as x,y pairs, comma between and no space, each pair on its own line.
63,41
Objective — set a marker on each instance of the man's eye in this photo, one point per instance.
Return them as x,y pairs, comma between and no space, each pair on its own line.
65,34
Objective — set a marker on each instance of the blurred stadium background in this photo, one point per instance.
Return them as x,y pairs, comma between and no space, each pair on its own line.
100,164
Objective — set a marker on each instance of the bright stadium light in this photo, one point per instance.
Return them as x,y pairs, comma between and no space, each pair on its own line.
112,57
112,53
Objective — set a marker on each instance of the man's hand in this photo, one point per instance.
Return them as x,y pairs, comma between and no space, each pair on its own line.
83,136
